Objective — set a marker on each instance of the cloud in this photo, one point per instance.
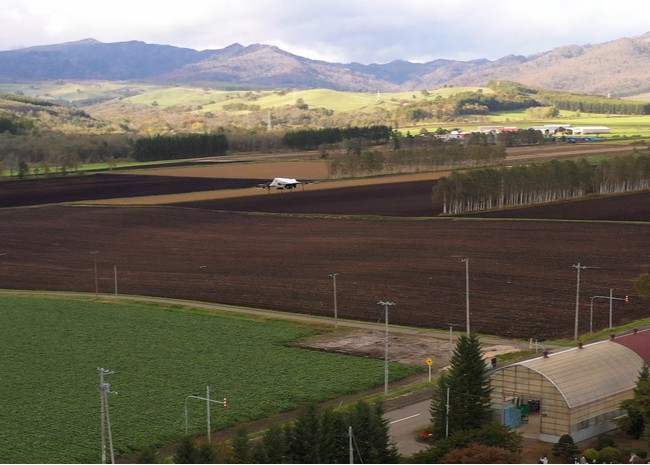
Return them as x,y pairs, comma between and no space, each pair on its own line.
366,31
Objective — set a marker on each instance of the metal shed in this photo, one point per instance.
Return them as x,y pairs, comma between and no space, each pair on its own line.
577,391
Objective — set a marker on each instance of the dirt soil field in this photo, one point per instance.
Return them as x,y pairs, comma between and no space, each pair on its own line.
521,276
521,279
413,349
75,188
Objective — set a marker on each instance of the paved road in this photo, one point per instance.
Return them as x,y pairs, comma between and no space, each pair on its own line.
406,423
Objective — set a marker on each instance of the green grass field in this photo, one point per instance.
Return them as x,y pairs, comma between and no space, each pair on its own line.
52,349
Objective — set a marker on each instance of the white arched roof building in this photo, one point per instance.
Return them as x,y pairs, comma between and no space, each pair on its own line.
577,391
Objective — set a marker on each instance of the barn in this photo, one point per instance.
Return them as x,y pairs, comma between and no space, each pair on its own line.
576,391
591,130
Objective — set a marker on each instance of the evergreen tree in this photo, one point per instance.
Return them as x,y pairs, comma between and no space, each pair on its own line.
565,449
334,438
275,444
186,451
642,285
240,445
371,434
206,454
637,421
469,389
147,455
480,453
304,442
259,455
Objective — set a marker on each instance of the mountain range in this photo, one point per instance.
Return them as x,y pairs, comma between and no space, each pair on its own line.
618,68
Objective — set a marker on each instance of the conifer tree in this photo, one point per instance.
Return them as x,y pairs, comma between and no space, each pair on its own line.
275,444
565,449
371,434
304,442
637,421
206,454
186,451
334,438
240,445
468,385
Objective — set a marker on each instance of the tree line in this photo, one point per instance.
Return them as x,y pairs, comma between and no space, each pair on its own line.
14,125
433,156
492,188
179,146
595,104
570,101
316,436
310,139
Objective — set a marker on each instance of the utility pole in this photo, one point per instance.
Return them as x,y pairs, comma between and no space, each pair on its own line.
94,254
386,304
333,275
350,446
451,340
104,389
466,260
447,416
578,267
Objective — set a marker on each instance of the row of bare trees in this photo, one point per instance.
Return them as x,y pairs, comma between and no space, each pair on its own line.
492,188
411,160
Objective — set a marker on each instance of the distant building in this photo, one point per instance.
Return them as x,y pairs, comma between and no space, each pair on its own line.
591,130
489,129
551,128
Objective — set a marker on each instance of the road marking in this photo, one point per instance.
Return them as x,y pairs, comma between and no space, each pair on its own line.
406,418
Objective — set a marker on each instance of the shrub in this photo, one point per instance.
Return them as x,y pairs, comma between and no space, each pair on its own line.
480,453
591,455
565,448
605,440
610,455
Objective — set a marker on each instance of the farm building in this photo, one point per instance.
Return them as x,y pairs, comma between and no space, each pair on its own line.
552,128
591,130
577,391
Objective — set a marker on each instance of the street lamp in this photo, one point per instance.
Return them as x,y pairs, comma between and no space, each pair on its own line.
115,275
191,396
333,275
94,254
466,260
104,389
207,406
386,304
591,307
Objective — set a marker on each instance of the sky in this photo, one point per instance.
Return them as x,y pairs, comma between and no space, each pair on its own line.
341,31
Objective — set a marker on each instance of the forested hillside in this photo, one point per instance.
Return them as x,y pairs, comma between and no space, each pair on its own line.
38,136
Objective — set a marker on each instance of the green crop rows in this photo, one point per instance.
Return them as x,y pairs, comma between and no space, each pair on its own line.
52,348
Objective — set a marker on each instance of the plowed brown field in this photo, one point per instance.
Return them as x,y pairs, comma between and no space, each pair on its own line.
521,276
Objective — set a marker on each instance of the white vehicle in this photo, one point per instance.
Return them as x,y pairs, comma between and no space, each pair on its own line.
283,184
